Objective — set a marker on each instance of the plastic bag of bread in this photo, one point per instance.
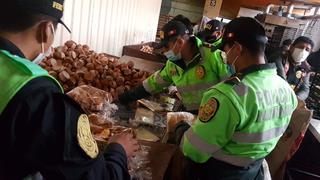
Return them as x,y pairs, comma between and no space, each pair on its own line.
90,98
96,103
103,134
174,118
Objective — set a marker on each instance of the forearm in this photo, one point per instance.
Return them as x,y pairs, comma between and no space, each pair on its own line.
116,162
137,93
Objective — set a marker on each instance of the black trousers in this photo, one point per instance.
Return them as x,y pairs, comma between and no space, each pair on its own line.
215,169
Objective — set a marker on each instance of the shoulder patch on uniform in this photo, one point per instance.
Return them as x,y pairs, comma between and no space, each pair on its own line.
84,136
208,110
200,72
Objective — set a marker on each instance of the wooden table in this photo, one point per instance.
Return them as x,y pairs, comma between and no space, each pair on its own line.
160,156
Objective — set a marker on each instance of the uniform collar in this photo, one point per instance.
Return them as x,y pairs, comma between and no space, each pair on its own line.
237,77
255,68
197,57
10,47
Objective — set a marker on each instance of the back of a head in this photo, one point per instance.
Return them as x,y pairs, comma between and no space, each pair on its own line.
247,32
20,20
19,15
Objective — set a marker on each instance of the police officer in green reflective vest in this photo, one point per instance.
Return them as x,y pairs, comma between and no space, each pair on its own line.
241,119
41,128
191,67
212,33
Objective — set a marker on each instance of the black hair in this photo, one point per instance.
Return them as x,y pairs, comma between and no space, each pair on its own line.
287,42
254,40
254,47
18,20
186,21
303,39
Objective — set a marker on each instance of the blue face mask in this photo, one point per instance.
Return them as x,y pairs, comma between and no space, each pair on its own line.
231,69
171,56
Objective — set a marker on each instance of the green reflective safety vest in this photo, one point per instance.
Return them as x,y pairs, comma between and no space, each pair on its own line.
217,43
213,46
15,72
239,123
193,81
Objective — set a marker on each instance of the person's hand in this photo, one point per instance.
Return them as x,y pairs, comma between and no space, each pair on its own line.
127,141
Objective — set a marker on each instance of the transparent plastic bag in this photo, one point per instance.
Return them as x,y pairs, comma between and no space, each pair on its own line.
95,102
139,164
174,118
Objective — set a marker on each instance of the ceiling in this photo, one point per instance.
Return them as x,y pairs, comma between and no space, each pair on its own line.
230,8
313,2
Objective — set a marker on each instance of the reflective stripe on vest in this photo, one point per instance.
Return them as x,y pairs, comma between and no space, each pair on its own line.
158,80
259,137
234,160
215,150
195,87
16,72
199,143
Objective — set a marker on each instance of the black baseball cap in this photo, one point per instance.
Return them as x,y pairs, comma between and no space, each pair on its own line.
212,26
244,30
171,30
52,8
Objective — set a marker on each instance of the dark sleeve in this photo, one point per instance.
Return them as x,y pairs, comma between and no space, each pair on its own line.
42,128
277,59
180,129
135,94
280,68
303,91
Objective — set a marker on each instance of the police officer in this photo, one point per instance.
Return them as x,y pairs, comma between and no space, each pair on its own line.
186,21
291,67
41,129
212,33
241,119
191,67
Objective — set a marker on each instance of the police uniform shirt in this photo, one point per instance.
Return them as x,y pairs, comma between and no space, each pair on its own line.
299,79
38,133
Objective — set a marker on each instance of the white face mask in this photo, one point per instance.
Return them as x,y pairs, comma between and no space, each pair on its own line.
230,67
299,55
172,56
43,54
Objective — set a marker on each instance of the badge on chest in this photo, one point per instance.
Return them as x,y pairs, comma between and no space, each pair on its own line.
200,72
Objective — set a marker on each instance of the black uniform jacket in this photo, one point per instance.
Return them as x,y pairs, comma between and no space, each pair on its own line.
38,133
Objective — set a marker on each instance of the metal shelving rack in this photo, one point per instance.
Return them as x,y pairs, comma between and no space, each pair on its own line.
313,101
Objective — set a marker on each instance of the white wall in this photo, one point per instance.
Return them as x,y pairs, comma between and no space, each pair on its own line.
108,25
